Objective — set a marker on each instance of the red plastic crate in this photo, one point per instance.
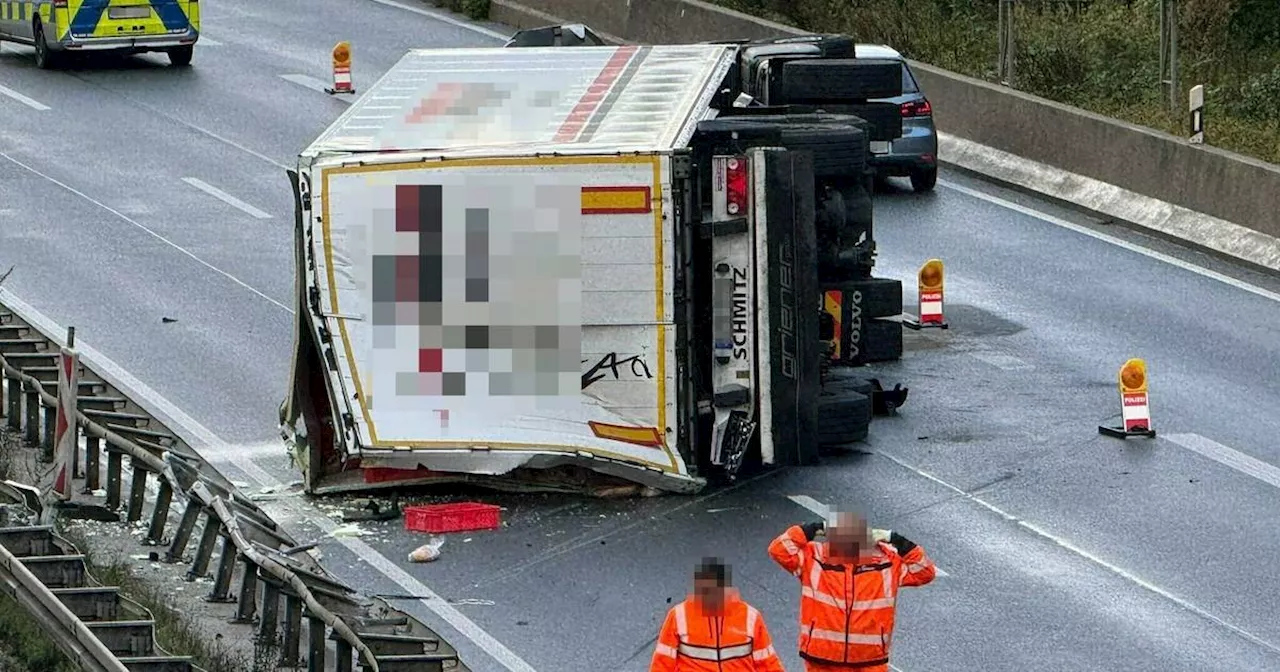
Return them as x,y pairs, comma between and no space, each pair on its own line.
455,517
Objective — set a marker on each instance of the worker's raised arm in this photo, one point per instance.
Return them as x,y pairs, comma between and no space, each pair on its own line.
917,568
664,653
789,548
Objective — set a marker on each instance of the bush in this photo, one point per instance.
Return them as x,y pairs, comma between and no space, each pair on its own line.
476,10
1100,55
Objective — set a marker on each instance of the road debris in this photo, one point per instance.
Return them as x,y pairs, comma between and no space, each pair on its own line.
374,511
349,530
427,552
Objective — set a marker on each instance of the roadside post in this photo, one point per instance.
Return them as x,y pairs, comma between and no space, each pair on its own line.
929,290
341,69
1135,409
65,435
1196,103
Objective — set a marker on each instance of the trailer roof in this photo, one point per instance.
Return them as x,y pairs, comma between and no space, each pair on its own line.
533,100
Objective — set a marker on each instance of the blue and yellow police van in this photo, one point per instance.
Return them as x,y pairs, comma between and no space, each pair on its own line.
57,28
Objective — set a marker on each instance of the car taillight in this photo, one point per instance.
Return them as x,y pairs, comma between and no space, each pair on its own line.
736,186
920,108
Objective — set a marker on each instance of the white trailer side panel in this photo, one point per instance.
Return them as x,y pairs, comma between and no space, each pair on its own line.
490,311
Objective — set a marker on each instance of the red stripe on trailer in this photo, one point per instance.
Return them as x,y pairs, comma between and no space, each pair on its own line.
596,92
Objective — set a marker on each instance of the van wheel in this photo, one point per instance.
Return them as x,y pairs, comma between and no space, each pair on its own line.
46,58
924,180
181,56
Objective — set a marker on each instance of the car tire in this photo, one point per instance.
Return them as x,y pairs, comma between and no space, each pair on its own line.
923,180
843,418
46,58
180,57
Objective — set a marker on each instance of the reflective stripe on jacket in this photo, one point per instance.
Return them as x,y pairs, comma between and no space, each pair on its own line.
847,611
735,641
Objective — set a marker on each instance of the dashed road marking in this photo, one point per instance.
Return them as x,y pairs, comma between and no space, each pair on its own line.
1124,244
312,83
1230,457
29,102
1063,543
152,232
226,198
208,42
824,511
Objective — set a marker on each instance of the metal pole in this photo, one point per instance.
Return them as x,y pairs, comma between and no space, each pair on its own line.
1174,90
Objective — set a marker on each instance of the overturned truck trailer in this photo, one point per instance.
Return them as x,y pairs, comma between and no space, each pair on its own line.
527,268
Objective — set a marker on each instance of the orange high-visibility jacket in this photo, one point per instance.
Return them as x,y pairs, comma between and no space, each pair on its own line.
846,611
735,641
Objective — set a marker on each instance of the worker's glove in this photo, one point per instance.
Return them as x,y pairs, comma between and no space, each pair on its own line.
901,544
811,530
881,536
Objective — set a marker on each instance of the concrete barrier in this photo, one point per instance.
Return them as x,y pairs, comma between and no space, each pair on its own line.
1089,148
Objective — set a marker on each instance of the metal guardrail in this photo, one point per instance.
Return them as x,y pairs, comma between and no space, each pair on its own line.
273,565
91,623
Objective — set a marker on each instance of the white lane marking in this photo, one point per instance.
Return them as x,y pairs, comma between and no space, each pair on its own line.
208,42
199,436
445,18
1124,244
1230,457
29,102
430,599
226,198
1122,573
824,511
313,84
157,236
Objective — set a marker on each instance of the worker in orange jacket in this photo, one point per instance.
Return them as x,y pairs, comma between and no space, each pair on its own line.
849,586
714,630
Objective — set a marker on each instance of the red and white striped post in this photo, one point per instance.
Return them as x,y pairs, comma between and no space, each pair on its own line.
929,285
342,69
1135,404
65,436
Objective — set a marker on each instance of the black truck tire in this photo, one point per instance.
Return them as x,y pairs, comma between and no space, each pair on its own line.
839,143
811,80
828,45
884,120
846,232
841,379
883,342
843,418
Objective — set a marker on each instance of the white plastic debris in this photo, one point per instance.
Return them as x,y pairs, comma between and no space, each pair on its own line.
349,530
428,551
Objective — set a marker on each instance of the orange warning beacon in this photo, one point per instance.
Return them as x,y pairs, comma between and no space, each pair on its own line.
930,287
1135,409
342,69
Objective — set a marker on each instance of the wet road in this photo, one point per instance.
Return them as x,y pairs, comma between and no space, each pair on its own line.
141,192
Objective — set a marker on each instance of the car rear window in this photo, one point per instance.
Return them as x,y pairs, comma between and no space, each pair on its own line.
909,81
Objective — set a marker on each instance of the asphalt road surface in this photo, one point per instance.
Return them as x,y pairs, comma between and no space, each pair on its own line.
130,192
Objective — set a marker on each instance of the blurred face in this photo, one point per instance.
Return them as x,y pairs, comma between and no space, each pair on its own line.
850,537
709,593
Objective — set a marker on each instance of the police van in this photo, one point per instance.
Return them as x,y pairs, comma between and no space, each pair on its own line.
58,28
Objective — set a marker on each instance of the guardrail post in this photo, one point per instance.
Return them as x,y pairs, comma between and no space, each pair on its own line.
15,404
33,415
343,655
46,439
182,535
160,514
247,606
137,491
315,634
92,479
270,612
209,537
226,570
114,467
292,631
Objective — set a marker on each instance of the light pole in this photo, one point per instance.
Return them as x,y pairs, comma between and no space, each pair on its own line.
1004,68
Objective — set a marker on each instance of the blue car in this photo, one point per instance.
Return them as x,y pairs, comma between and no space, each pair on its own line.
915,154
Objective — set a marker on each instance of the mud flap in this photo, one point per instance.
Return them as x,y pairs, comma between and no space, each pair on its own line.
789,376
733,300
